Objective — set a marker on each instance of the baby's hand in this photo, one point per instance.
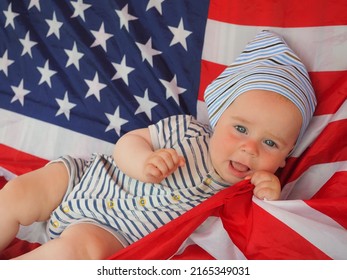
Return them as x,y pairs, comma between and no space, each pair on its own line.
267,185
161,163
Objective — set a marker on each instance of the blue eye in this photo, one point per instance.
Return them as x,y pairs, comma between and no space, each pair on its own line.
270,143
240,128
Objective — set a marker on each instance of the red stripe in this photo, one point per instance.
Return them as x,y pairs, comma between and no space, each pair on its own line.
330,146
19,162
281,13
334,188
3,181
193,252
16,248
261,236
330,89
209,71
332,199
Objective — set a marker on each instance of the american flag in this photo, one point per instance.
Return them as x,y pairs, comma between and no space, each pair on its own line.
75,75
95,69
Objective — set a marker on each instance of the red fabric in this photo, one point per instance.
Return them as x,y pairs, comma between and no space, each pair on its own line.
256,233
289,229
168,243
279,13
16,248
19,162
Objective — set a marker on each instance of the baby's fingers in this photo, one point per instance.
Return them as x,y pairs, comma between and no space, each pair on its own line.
266,193
266,185
160,163
164,162
171,159
262,177
153,174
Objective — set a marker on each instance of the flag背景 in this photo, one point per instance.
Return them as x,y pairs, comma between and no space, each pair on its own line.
76,75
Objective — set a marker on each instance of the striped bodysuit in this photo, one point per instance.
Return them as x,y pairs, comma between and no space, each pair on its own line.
100,193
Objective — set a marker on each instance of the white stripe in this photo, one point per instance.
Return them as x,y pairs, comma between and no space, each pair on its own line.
320,48
319,229
34,233
310,182
213,238
46,140
201,110
318,123
8,175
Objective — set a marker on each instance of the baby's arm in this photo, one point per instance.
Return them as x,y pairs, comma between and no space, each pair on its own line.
267,185
135,156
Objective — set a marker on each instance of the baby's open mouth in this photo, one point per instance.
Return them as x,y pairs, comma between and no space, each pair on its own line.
239,170
239,166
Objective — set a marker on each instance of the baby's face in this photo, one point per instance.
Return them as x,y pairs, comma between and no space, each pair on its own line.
256,132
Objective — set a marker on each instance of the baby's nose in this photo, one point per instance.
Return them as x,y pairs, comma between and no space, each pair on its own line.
250,147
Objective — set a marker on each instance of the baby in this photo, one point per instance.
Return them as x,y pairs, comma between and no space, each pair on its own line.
259,108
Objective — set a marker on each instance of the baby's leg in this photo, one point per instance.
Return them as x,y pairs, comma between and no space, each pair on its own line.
30,198
78,242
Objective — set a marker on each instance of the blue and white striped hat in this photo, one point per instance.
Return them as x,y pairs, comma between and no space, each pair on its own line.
267,63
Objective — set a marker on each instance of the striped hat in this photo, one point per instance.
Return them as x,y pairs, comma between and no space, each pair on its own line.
267,63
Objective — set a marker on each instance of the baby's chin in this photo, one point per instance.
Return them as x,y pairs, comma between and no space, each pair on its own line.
232,175
232,180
